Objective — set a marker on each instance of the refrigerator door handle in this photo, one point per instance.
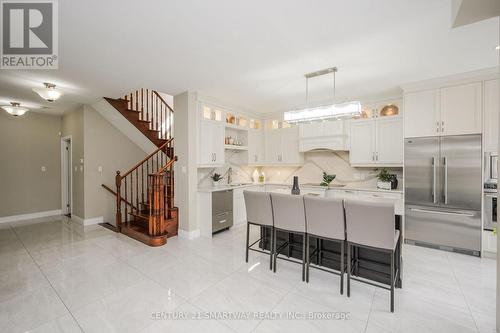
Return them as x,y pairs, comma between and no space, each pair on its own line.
419,210
434,199
445,164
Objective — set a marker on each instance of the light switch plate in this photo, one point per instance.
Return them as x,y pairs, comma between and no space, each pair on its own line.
44,169
99,169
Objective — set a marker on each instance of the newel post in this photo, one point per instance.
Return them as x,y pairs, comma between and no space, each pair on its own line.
118,180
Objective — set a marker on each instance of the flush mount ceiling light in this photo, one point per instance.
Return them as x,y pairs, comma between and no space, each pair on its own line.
497,48
15,109
50,93
332,111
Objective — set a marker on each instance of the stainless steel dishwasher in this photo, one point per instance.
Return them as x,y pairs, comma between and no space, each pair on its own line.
222,210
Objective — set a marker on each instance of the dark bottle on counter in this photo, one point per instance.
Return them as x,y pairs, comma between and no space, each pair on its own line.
295,187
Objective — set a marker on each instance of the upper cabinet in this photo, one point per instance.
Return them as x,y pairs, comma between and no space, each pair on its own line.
282,146
453,110
490,135
377,142
461,109
255,147
211,149
421,116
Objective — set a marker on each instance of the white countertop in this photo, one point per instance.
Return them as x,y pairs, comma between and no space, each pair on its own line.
348,187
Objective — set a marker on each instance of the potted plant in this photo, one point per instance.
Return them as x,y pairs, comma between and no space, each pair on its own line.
327,179
216,178
384,180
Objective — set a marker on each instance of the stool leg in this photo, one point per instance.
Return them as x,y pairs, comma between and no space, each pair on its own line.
248,235
289,253
342,268
304,257
274,250
392,281
321,252
348,270
271,249
307,258
317,251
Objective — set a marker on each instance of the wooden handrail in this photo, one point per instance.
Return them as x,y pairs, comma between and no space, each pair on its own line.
147,158
114,193
168,165
161,98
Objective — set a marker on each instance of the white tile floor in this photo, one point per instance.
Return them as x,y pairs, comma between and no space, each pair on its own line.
54,277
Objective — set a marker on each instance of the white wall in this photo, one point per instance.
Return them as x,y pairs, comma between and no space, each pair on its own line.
185,143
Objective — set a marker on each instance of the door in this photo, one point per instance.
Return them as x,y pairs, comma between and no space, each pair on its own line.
389,140
491,109
255,146
440,227
461,109
211,143
273,146
362,142
290,153
219,132
67,176
461,171
421,113
421,161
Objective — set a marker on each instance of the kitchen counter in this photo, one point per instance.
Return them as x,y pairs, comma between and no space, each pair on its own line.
348,187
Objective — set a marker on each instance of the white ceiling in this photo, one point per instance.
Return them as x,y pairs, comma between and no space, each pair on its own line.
253,53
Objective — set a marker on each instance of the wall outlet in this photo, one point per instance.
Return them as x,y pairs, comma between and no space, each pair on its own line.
44,169
99,169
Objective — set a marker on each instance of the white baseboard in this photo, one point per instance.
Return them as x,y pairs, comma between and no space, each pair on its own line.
30,216
87,222
189,234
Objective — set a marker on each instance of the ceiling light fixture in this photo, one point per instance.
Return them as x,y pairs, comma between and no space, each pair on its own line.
497,48
50,93
331,111
15,109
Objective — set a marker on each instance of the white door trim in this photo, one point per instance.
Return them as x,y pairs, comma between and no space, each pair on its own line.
64,177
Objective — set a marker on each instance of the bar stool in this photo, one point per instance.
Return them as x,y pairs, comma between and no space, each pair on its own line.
372,225
325,220
259,212
289,216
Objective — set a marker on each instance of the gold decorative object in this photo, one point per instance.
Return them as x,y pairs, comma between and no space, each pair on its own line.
389,110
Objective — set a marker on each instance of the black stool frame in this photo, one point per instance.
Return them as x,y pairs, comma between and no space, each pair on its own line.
263,238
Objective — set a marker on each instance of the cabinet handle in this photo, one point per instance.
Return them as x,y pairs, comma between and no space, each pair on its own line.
376,156
437,126
442,126
215,157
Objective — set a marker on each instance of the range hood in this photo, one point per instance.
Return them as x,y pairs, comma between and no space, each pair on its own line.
324,136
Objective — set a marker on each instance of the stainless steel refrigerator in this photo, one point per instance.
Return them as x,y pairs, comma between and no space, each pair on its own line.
443,188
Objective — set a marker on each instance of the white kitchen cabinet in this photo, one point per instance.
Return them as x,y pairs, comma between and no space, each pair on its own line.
255,147
290,146
377,142
211,151
490,134
389,140
461,107
239,209
362,149
282,146
421,113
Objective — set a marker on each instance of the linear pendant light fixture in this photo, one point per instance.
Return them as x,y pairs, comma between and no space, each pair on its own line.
331,111
15,109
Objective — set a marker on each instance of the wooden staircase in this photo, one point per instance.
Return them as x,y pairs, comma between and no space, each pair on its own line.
145,194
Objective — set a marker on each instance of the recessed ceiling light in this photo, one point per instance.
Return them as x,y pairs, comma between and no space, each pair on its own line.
49,93
497,48
15,109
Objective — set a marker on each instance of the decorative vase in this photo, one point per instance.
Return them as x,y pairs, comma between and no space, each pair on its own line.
215,183
384,185
394,182
295,187
255,176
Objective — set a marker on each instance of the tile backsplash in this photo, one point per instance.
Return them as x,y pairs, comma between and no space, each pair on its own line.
331,162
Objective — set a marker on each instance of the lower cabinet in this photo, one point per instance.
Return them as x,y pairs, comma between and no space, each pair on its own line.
239,208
